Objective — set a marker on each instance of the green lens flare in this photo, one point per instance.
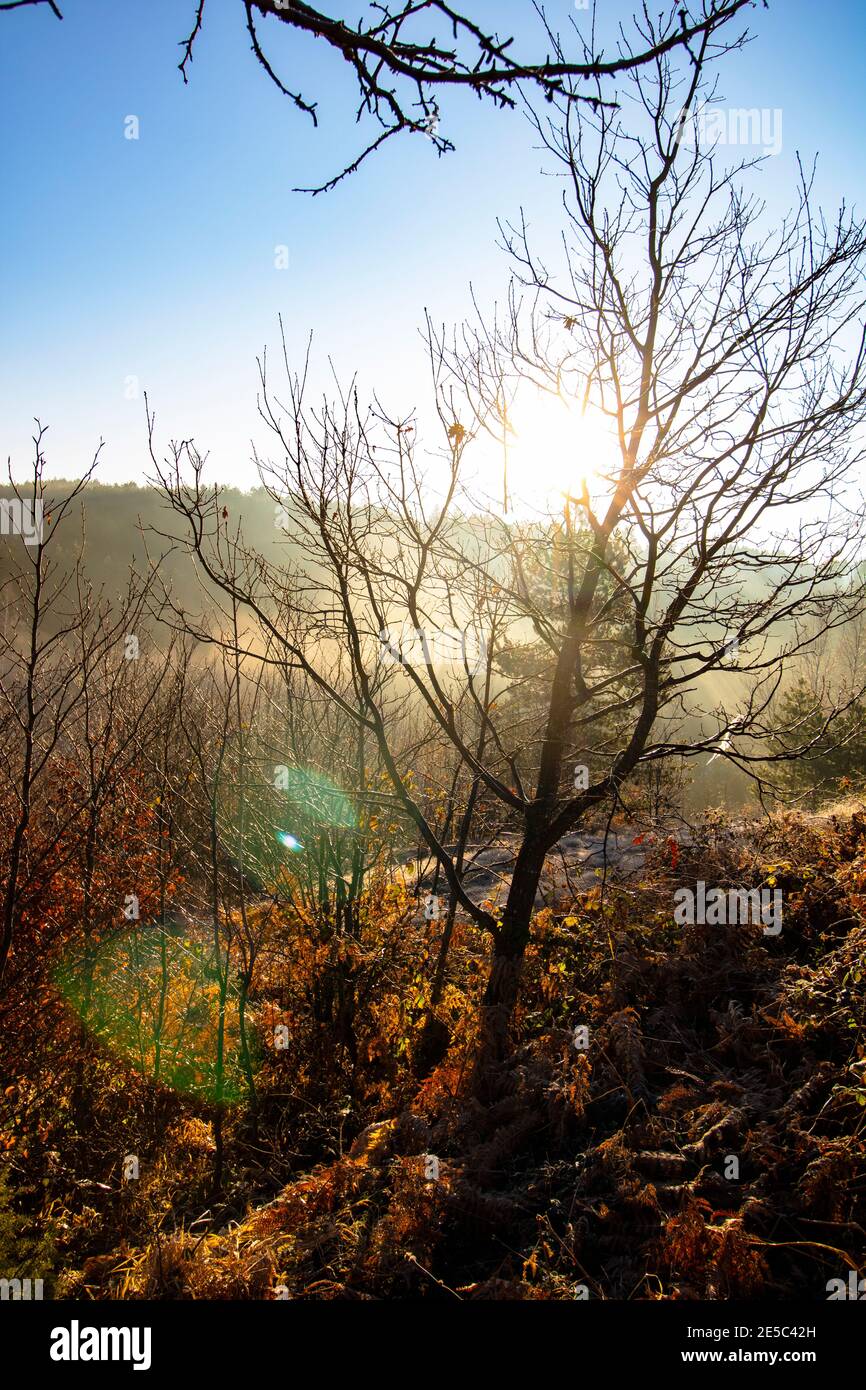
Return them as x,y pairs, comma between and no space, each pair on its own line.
163,1002
289,842
315,800
268,813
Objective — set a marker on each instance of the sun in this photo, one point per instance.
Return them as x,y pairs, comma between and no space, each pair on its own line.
551,449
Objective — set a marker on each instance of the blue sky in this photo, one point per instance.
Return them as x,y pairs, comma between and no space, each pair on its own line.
154,259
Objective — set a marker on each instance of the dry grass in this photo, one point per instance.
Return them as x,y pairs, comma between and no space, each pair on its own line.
609,1170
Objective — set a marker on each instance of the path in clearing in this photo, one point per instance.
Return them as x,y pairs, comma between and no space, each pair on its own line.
571,865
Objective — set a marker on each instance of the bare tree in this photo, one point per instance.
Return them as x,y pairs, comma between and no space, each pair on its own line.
401,71
728,355
42,667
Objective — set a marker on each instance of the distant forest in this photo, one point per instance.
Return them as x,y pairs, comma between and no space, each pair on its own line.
114,527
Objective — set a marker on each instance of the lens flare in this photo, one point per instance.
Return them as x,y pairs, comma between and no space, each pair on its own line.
288,841
168,1005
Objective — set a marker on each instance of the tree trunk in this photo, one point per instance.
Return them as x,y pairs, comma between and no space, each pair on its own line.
503,982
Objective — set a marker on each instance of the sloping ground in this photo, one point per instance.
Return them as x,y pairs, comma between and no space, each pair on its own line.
707,1143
